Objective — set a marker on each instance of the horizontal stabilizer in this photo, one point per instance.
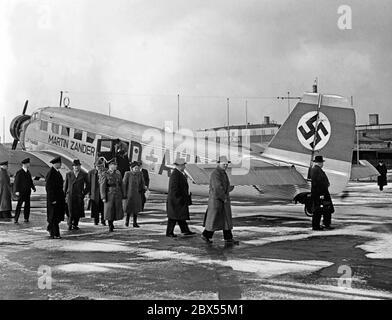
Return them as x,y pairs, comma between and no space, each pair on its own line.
363,170
260,176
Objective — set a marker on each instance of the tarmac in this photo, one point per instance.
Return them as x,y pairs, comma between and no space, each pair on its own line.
279,256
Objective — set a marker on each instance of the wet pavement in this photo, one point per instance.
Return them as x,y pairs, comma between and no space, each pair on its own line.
279,256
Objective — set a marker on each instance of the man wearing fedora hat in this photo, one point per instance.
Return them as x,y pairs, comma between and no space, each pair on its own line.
178,200
110,186
75,189
5,192
218,215
55,202
23,185
322,202
93,191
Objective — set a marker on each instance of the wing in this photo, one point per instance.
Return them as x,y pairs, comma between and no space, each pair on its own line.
262,174
363,169
39,161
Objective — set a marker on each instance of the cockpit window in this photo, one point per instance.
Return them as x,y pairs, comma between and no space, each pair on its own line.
44,125
78,134
65,131
55,128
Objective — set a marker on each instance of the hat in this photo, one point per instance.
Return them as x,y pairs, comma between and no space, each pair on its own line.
135,163
179,161
113,161
100,161
318,159
56,160
76,162
4,163
24,161
223,159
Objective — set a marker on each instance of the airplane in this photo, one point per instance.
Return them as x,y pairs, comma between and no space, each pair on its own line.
320,124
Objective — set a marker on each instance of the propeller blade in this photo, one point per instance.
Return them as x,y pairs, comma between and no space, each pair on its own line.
14,144
25,107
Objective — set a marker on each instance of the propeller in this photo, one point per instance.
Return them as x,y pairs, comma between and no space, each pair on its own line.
16,125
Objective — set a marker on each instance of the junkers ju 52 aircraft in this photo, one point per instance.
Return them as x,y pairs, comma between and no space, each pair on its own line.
319,124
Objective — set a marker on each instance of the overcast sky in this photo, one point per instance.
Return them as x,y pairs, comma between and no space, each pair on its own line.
138,55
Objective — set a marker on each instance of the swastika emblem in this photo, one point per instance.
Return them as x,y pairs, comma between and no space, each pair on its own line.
307,134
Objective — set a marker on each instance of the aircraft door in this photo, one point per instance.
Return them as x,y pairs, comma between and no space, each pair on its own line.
107,148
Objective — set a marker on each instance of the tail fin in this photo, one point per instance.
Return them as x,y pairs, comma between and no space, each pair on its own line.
298,140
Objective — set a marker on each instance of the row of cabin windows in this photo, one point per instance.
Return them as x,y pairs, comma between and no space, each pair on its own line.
65,131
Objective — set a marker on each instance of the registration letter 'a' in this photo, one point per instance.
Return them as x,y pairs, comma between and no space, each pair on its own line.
345,20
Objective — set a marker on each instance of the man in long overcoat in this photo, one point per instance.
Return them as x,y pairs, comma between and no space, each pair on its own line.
23,185
75,188
218,215
133,187
320,195
382,178
110,185
93,192
55,198
146,178
5,192
178,200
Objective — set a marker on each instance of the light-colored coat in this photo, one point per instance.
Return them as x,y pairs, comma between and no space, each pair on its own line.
5,191
110,185
218,215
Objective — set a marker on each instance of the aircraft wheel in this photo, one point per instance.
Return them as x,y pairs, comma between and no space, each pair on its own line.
307,212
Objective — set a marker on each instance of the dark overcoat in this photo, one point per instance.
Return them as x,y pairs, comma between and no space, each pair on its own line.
23,183
5,191
218,215
54,192
110,185
75,188
133,187
178,199
382,178
320,185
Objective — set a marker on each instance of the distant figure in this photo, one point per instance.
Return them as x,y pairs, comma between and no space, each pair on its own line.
55,199
110,185
5,192
322,202
122,159
75,188
93,192
178,200
382,178
133,187
146,178
218,215
23,185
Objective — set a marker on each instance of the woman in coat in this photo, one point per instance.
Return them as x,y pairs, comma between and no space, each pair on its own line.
218,215
5,192
110,184
133,187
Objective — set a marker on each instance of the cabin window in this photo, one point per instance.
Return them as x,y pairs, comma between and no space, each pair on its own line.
90,137
78,134
106,146
65,131
44,125
55,128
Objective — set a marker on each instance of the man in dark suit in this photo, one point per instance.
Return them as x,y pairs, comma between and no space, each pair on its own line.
122,158
5,192
146,179
382,178
55,200
178,201
23,185
75,189
320,195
